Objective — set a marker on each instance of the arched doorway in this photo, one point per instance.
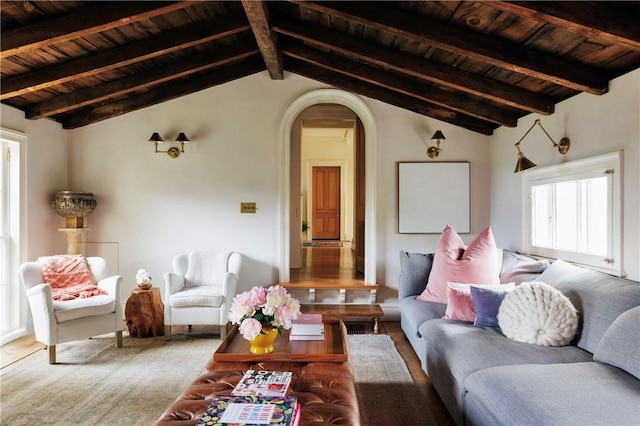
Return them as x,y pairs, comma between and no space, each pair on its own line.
327,96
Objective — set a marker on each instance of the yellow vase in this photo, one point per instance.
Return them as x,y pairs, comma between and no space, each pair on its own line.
263,343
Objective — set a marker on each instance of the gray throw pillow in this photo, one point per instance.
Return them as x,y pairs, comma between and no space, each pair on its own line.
620,345
519,268
414,273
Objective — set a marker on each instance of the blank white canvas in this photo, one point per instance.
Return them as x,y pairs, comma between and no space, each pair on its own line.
433,195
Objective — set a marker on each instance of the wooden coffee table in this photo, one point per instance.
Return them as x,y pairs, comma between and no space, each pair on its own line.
338,310
332,349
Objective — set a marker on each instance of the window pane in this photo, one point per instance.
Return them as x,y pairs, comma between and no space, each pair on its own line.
567,216
597,219
585,210
542,232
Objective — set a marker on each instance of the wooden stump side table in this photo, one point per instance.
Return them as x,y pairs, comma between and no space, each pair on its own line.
144,313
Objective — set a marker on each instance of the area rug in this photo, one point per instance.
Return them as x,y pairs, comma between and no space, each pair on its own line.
386,392
96,383
322,244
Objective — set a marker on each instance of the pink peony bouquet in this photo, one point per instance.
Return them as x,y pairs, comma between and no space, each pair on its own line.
260,306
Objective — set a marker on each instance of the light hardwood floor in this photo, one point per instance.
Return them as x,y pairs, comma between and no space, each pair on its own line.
320,264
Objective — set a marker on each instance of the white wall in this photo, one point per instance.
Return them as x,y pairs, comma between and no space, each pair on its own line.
404,136
595,125
46,174
152,207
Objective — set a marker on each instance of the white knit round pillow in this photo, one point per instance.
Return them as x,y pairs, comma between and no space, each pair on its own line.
535,312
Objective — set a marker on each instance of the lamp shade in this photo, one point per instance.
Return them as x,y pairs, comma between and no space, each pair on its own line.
182,138
523,163
438,135
155,137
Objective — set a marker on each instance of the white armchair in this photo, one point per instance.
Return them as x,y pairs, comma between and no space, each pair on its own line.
200,289
57,321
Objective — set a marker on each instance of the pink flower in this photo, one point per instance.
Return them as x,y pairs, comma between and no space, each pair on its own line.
251,309
257,297
250,328
285,316
240,308
277,296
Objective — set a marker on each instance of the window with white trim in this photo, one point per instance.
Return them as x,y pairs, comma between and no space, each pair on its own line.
12,299
573,211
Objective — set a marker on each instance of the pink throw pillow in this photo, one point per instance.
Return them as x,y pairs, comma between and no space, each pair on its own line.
477,263
460,303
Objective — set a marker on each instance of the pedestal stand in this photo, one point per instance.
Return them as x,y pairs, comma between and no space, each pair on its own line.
74,237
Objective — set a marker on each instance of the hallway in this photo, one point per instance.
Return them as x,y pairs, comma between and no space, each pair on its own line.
330,265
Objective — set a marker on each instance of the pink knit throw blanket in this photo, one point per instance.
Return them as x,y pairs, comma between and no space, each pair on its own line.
69,277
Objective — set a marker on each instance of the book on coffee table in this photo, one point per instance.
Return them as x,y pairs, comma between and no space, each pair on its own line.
307,324
319,336
307,327
250,410
263,383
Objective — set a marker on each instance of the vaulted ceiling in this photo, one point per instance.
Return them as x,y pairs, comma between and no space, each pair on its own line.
475,64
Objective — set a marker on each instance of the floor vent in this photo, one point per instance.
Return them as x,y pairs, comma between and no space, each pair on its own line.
355,328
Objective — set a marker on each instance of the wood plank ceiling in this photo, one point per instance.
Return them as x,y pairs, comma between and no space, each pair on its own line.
475,64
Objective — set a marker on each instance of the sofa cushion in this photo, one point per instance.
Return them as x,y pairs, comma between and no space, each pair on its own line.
415,312
456,349
459,302
196,296
584,393
539,314
414,273
486,303
477,263
68,310
620,345
461,344
599,298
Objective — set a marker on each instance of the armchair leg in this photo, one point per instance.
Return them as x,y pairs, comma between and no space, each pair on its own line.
119,339
52,354
223,331
167,331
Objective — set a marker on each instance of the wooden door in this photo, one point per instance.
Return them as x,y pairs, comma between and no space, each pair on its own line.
326,203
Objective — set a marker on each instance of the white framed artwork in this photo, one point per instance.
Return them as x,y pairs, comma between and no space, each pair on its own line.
432,195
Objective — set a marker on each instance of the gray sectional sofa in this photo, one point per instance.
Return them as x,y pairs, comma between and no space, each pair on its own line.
484,378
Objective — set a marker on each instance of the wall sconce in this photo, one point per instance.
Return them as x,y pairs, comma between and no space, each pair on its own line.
434,151
173,152
524,163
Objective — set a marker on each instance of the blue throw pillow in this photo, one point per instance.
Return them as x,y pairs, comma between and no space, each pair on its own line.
486,303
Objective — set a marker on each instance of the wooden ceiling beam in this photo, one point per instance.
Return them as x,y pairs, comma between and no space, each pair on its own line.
137,51
416,66
115,88
81,23
472,44
601,20
258,16
341,81
163,93
427,92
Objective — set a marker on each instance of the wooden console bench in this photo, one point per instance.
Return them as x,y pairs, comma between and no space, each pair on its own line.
346,310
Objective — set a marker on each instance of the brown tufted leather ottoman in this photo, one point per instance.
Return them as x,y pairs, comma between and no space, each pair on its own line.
325,391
